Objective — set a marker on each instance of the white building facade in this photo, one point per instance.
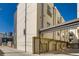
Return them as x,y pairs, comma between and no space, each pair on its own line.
26,26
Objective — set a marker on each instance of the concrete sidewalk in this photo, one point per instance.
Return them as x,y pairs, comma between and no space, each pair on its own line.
8,51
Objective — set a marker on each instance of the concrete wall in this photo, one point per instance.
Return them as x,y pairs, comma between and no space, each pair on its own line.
31,25
20,26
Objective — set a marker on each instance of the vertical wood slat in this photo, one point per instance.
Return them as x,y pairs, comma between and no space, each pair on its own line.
33,45
38,44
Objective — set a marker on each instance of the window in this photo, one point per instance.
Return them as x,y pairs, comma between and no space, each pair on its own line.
61,19
58,22
48,24
54,12
58,33
49,11
63,36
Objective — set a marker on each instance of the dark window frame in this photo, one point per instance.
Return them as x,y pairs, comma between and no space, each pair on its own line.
24,32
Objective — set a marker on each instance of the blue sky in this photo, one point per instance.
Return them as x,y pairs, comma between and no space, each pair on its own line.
6,17
68,11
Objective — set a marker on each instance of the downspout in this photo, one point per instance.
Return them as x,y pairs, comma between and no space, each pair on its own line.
42,15
53,21
25,24
53,15
16,30
42,27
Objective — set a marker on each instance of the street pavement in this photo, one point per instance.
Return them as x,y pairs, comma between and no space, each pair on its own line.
8,51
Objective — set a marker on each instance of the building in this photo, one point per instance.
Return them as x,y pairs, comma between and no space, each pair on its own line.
7,39
59,35
1,36
29,19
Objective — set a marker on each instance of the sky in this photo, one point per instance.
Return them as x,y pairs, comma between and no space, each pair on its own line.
7,17
7,10
67,10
